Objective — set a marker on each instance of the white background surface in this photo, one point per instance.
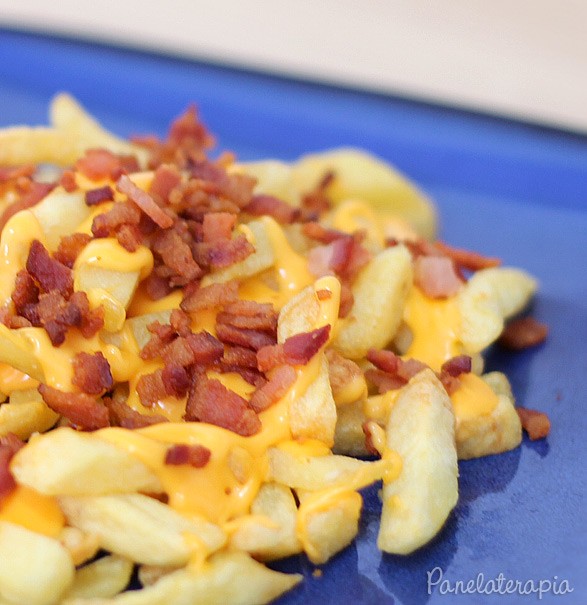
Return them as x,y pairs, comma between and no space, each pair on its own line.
525,59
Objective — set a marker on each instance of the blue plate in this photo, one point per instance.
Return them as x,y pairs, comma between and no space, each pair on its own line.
504,188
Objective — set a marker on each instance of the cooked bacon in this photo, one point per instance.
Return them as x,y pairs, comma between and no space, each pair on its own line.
320,233
296,350
92,320
536,424
188,131
56,315
282,378
181,322
93,197
452,369
436,276
282,212
176,380
70,247
210,401
98,164
399,370
523,333
166,178
266,322
239,356
223,253
211,297
151,389
318,200
67,181
162,335
12,173
121,414
179,352
25,292
83,411
324,260
466,259
197,456
32,197
250,375
205,348
218,226
177,256
91,373
121,213
156,287
347,300
384,381
144,201
251,339
49,273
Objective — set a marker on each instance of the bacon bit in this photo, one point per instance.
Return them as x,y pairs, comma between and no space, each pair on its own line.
67,181
436,276
239,356
82,410
324,260
176,380
466,259
320,233
267,323
32,197
98,196
121,414
151,389
92,320
300,348
523,333
144,201
317,200
121,213
223,253
188,131
282,378
197,456
156,287
210,401
99,164
270,356
347,300
91,373
12,173
177,256
181,322
536,424
211,297
398,371
166,178
324,294
384,381
282,212
218,226
250,339
70,247
49,273
205,348
25,292
452,369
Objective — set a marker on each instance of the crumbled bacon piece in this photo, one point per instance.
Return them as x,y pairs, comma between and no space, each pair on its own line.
251,339
151,389
223,253
121,414
282,212
25,292
218,226
384,381
166,178
452,369
399,371
210,297
177,257
466,259
99,164
523,333
347,300
197,456
210,401
176,380
180,322
144,201
436,276
83,411
317,200
91,373
70,247
156,287
296,350
67,181
93,197
279,383
12,173
239,356
92,320
536,424
320,233
48,272
121,213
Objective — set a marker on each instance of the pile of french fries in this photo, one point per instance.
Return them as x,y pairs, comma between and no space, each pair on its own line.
98,490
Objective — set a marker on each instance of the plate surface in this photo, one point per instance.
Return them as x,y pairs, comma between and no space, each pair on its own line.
503,188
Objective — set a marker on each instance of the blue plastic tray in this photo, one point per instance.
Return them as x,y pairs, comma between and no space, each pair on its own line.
503,188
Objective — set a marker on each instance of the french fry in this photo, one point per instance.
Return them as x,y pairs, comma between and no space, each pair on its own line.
34,569
24,419
17,352
380,291
328,522
493,433
214,583
270,531
67,462
81,546
359,175
421,430
349,438
103,578
141,528
489,297
25,145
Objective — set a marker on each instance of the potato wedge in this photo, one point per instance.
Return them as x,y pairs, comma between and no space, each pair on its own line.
67,462
34,569
24,419
141,528
421,430
380,292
